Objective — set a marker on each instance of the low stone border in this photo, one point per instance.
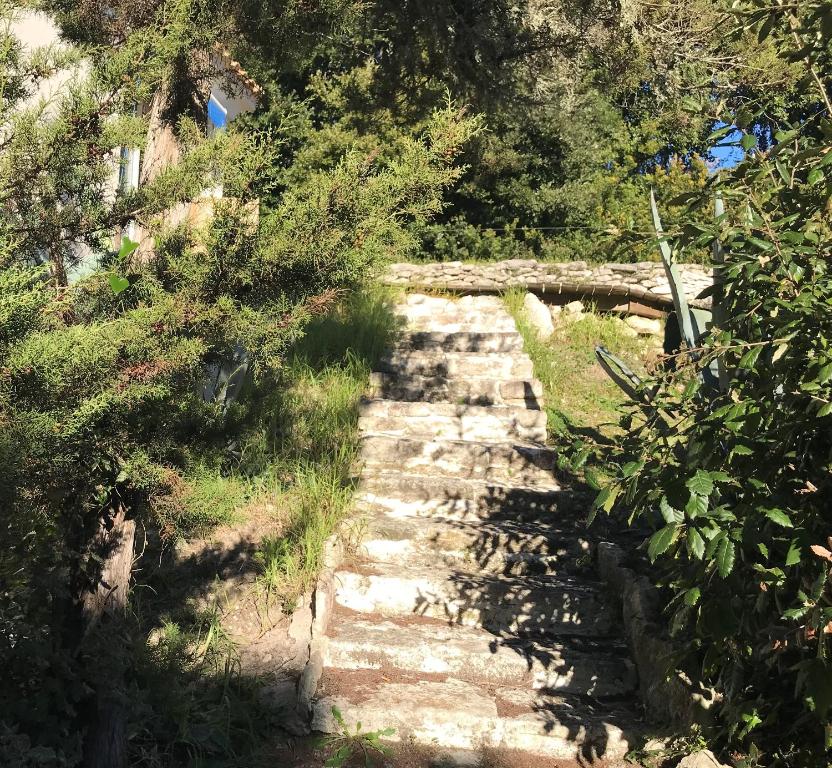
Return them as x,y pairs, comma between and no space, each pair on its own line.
639,288
308,627
668,695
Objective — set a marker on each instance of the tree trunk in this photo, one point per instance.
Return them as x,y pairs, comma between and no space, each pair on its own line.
161,150
104,609
161,147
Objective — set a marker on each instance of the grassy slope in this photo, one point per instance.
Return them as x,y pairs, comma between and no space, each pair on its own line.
280,488
579,396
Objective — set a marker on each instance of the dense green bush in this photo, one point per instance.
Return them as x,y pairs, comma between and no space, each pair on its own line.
737,483
584,106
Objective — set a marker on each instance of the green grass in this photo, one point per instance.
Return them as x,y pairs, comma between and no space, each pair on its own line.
579,397
282,478
288,465
310,436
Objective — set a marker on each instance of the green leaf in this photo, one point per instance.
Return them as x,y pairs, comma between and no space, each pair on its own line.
725,556
339,758
815,175
669,514
692,596
825,373
793,555
781,137
779,352
118,283
695,544
763,245
749,359
825,410
720,132
631,468
763,549
606,498
749,140
778,516
751,720
127,247
661,540
697,505
700,483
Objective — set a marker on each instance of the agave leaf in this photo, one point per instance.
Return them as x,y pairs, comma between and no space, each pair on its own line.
674,278
629,382
618,371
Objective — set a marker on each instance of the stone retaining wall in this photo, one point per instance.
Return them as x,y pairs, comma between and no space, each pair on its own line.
644,279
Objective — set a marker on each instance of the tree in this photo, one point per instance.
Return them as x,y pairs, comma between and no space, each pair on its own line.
585,107
101,379
735,480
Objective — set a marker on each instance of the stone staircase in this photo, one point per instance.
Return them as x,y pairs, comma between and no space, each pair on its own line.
471,617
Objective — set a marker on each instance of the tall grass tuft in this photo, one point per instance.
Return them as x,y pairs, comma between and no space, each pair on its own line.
307,442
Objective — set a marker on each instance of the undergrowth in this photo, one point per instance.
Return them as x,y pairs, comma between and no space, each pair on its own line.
578,395
309,435
284,476
581,403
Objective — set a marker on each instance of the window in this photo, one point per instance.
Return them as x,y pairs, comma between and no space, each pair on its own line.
217,115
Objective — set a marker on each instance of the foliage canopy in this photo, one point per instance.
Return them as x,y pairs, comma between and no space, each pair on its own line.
736,483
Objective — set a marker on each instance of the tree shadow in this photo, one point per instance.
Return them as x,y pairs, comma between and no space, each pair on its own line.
511,531
522,570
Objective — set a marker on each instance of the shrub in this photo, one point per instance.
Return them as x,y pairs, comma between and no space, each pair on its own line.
736,482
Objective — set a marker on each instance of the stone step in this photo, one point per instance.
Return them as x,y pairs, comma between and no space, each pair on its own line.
429,646
482,547
488,312
531,606
467,341
474,390
472,323
504,462
407,495
420,302
456,714
452,421
450,364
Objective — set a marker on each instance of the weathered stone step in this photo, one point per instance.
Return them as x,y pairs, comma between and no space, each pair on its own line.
473,390
482,547
434,312
429,646
452,421
426,304
531,606
503,462
456,714
449,364
467,341
406,495
471,323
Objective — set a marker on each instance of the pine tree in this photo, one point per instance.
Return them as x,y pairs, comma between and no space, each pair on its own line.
101,378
